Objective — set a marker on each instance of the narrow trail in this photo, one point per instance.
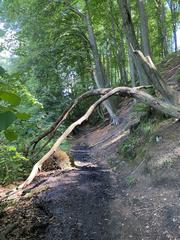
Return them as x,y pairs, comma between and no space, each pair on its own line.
79,204
82,203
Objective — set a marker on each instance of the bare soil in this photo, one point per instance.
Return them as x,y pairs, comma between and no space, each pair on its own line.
105,197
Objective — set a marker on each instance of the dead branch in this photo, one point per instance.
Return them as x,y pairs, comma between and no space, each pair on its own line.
63,117
124,91
170,95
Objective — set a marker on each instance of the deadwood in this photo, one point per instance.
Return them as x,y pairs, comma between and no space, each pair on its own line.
51,131
123,91
155,79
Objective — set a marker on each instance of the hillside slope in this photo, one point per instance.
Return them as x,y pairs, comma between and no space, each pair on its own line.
125,185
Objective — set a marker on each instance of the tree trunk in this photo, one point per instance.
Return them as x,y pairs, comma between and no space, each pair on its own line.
174,10
162,27
145,66
132,69
144,28
119,48
99,73
160,85
131,38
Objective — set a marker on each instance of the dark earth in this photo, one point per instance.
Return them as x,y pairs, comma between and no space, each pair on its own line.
104,197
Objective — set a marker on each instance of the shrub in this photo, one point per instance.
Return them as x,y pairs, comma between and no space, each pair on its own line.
12,164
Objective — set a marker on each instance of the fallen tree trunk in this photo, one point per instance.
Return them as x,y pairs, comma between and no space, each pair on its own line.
124,91
64,115
170,95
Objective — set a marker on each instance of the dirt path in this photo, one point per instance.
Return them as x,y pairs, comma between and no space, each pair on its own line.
76,204
94,202
79,203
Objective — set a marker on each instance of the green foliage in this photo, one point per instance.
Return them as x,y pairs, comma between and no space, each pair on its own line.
10,135
131,180
11,98
6,119
12,164
136,141
17,126
23,116
13,106
140,107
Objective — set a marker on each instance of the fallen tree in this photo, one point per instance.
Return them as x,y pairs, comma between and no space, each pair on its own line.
169,95
142,96
51,131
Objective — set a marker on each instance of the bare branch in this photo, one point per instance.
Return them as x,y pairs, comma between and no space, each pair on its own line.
64,115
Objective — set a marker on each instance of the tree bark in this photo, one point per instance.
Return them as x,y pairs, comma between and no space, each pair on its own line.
119,48
131,38
144,28
132,69
162,27
145,67
155,79
99,73
174,11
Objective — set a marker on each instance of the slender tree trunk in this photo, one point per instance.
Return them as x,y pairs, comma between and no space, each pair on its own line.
131,38
132,70
144,28
174,10
175,37
99,73
119,47
164,31
160,7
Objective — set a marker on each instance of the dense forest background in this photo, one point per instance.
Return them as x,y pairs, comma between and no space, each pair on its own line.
58,50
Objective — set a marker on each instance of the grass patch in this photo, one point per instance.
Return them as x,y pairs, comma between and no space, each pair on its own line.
131,180
135,144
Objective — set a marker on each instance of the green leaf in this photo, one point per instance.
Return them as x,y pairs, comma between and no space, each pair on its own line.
10,135
5,109
2,32
23,116
2,71
11,98
6,119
